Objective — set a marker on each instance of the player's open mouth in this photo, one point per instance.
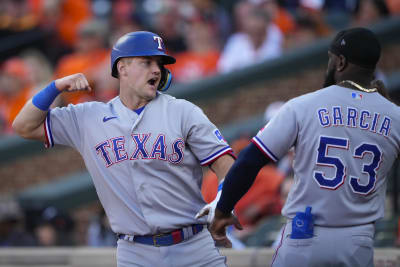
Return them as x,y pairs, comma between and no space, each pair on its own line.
152,81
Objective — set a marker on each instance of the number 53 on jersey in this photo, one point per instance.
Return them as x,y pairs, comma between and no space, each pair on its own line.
369,167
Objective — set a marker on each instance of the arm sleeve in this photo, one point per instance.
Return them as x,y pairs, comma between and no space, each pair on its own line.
63,126
241,176
204,139
280,134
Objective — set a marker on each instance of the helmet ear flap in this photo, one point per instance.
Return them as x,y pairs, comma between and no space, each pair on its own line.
166,79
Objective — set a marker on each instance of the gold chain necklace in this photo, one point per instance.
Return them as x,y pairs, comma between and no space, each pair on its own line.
359,87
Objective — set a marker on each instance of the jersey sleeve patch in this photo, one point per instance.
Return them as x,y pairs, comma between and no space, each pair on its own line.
214,156
219,136
49,142
264,148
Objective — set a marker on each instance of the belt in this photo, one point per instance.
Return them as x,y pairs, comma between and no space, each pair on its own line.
165,239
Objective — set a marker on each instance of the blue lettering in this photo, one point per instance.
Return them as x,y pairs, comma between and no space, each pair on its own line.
101,148
323,116
140,146
364,114
337,116
118,147
352,117
159,148
177,155
374,122
385,127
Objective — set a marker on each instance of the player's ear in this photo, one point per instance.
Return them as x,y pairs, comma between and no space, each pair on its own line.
121,67
341,63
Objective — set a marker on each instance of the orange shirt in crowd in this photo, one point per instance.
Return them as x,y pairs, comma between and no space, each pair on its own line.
84,63
284,21
394,6
18,91
191,66
71,14
11,105
261,200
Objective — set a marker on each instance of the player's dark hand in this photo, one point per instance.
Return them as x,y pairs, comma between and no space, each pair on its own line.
218,227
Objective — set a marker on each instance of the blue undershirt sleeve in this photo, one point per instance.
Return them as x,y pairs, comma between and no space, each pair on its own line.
241,176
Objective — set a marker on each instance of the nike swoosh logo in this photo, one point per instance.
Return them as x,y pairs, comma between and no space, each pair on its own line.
105,119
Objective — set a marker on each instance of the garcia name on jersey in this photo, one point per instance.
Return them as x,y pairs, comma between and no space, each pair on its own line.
354,118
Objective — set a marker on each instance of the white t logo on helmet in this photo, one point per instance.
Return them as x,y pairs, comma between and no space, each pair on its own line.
159,40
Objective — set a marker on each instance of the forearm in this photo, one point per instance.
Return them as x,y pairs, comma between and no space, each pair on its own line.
240,177
222,165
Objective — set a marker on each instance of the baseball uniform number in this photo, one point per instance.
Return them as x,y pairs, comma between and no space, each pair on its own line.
333,183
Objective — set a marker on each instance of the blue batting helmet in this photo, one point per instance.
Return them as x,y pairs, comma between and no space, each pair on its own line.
137,44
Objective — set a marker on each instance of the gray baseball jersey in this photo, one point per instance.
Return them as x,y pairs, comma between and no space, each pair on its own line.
345,144
146,167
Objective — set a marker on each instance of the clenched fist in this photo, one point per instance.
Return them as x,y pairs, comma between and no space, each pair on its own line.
74,82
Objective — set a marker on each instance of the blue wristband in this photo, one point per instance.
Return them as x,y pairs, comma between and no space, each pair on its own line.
45,98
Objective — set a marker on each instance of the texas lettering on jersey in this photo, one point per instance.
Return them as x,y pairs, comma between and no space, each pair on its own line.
113,150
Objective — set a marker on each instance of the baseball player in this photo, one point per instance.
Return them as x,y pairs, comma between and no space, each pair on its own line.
144,150
346,137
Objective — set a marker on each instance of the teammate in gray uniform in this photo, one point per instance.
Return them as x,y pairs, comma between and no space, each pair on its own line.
346,137
144,151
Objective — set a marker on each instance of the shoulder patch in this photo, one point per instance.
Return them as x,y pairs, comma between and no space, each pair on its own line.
219,135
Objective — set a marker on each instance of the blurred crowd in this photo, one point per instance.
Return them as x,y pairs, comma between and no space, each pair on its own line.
50,226
42,40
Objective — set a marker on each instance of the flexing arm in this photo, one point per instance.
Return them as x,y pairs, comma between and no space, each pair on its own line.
29,121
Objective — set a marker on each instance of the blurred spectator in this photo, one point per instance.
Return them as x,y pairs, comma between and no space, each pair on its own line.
54,228
168,23
262,199
60,21
370,11
46,235
100,233
101,9
272,109
15,90
12,231
259,40
212,13
340,6
313,9
123,14
307,30
241,10
40,70
200,59
279,15
49,14
393,6
17,16
90,57
71,15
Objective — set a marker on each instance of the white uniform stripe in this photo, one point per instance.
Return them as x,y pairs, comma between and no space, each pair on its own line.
264,148
49,137
216,155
